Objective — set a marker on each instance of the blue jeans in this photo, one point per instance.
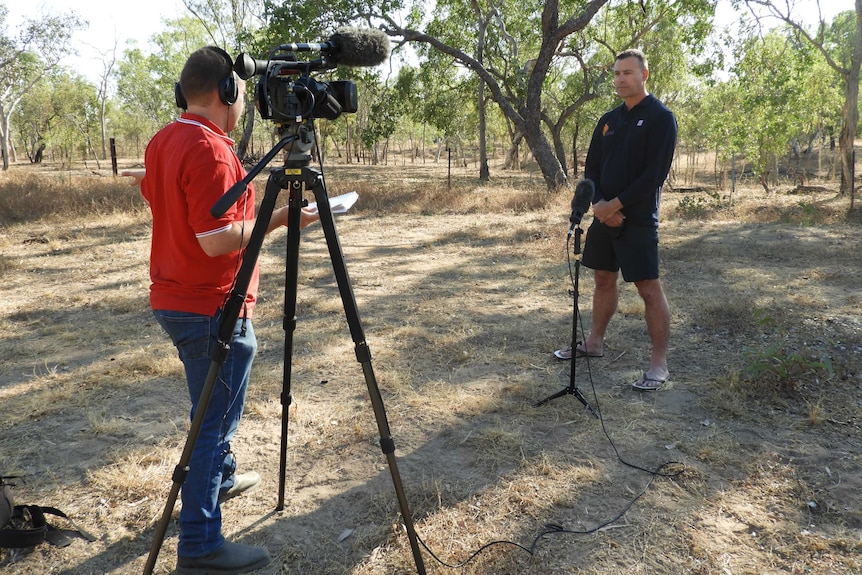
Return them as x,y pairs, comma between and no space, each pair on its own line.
212,466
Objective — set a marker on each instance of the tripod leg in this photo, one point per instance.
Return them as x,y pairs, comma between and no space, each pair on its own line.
289,323
182,468
560,393
363,356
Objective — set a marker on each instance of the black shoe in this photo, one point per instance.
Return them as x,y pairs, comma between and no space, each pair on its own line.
231,559
242,482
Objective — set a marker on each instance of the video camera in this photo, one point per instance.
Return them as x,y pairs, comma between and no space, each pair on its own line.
287,93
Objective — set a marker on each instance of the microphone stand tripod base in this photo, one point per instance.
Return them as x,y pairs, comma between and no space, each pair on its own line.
569,391
572,389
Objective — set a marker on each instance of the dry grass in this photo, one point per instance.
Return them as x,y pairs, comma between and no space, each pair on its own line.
462,291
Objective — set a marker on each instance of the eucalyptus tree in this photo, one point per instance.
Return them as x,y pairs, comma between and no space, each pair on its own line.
296,21
840,45
145,82
60,116
108,60
525,70
406,89
33,118
672,34
494,41
441,97
768,103
26,55
230,24
436,99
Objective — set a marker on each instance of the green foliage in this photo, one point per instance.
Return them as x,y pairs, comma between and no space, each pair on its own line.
780,92
145,82
839,37
26,55
777,365
699,206
294,21
775,96
809,214
61,114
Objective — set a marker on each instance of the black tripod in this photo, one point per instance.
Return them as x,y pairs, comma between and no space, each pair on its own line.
572,389
295,175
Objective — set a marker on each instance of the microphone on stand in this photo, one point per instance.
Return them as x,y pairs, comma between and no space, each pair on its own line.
581,202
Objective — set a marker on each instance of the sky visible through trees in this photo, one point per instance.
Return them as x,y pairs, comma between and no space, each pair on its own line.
138,22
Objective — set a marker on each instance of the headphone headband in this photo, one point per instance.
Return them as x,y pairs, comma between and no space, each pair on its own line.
228,90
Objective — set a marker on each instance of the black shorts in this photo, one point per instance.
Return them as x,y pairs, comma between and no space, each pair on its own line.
630,249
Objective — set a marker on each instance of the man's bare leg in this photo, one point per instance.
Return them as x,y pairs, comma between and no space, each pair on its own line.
605,299
657,312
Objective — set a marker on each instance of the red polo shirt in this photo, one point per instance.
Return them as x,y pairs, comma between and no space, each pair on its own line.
190,164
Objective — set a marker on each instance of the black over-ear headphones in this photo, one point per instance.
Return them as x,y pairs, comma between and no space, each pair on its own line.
228,91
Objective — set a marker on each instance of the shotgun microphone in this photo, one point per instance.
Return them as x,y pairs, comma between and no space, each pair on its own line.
358,47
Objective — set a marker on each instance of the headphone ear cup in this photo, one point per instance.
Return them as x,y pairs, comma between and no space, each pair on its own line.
179,98
228,91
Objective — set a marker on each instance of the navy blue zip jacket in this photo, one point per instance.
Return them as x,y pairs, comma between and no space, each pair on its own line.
630,156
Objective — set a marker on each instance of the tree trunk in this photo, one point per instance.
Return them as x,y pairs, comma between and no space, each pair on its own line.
242,148
545,157
851,109
512,161
481,100
559,148
103,128
484,171
4,139
575,164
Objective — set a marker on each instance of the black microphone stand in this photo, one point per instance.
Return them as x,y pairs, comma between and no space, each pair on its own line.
572,389
295,175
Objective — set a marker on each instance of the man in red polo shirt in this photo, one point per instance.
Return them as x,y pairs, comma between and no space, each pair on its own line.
194,258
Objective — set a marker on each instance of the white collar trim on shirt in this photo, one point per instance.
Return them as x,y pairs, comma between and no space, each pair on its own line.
205,127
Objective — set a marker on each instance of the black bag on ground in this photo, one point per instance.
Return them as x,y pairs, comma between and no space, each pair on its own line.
25,525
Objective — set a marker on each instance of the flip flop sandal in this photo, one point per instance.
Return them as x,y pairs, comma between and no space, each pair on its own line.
566,352
648,383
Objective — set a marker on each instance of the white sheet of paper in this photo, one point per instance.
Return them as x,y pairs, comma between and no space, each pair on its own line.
339,204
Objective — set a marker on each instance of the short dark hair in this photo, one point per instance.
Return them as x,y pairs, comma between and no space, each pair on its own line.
634,53
203,71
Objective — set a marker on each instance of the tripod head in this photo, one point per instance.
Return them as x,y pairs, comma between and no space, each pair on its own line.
300,141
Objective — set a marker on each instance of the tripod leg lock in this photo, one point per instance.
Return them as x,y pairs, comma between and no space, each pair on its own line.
363,353
387,445
180,474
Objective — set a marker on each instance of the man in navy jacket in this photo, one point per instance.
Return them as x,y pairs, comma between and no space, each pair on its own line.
628,160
